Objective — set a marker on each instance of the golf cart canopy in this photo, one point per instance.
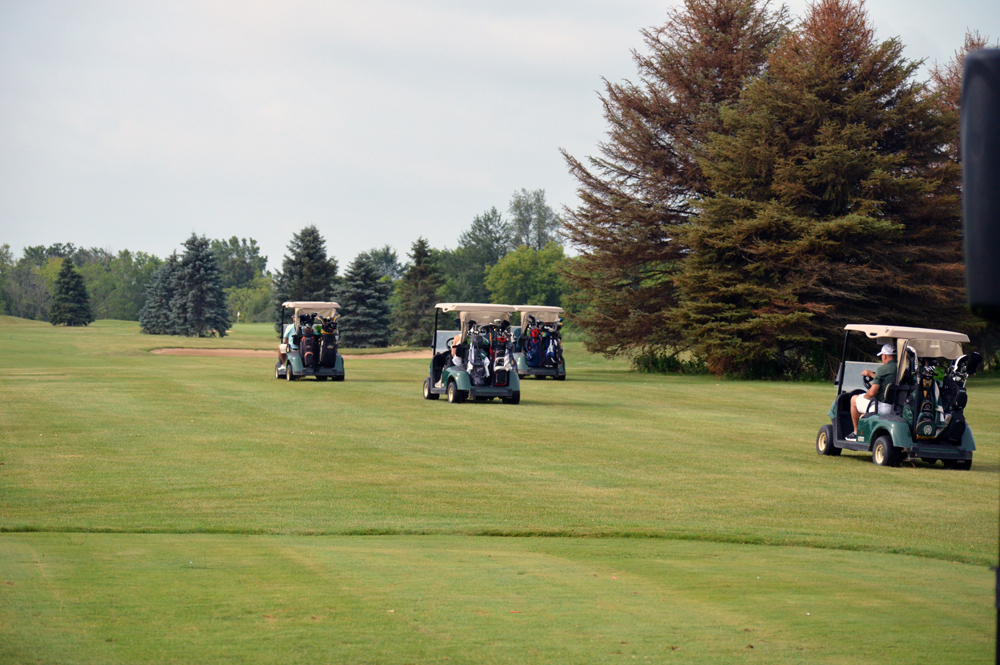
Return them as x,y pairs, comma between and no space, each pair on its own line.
925,342
542,313
320,308
477,311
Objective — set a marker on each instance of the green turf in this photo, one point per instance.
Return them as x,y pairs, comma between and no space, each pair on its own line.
661,477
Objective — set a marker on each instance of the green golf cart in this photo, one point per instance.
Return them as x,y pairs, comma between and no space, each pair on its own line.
538,347
309,342
922,415
477,360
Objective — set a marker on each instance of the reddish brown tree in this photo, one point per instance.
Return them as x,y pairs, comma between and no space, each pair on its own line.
636,194
833,202
946,82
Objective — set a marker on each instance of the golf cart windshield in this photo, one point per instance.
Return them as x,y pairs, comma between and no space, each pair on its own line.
481,313
319,308
541,313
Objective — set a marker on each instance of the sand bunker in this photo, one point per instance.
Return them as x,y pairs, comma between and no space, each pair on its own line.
256,353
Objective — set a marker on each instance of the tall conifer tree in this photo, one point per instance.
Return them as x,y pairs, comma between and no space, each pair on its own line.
635,196
198,307
70,302
415,296
834,202
155,319
306,271
364,300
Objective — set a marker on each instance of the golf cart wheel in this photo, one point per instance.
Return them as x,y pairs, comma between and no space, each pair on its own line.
884,453
824,442
513,399
427,390
456,396
276,374
289,374
339,377
560,377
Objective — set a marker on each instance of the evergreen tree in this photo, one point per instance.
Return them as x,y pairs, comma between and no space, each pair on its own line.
198,306
486,241
636,196
70,302
306,272
833,203
415,296
533,223
155,318
364,300
386,262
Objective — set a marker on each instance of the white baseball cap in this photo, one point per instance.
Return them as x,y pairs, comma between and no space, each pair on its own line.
887,350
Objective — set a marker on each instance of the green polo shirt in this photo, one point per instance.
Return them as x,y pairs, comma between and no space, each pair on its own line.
885,376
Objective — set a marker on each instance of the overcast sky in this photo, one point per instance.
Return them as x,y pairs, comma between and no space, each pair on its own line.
128,125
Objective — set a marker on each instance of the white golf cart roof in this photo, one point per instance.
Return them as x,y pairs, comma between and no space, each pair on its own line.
925,342
542,313
318,307
479,312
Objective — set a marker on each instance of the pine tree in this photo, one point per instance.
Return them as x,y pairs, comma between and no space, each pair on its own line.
364,300
415,296
306,272
198,307
154,319
833,203
70,302
636,196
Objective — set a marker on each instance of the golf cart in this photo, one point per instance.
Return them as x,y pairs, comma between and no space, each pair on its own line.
481,365
922,416
538,350
309,342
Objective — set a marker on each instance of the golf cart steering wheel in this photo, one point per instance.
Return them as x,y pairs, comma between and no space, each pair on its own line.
867,380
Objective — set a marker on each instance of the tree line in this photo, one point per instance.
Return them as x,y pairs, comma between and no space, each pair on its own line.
764,183
213,284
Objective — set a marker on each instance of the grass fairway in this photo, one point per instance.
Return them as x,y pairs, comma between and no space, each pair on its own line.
159,508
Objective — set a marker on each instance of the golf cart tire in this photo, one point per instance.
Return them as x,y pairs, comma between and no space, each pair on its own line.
884,453
456,396
560,377
513,399
289,374
276,374
824,442
957,464
427,390
339,377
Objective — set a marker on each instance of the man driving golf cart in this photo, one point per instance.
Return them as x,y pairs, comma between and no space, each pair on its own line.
914,410
309,343
881,378
538,351
477,360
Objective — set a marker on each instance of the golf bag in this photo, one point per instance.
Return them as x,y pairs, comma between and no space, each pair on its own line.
329,336
308,350
533,355
501,353
477,362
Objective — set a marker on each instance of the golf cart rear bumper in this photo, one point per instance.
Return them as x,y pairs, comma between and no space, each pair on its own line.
491,391
541,371
930,451
322,371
